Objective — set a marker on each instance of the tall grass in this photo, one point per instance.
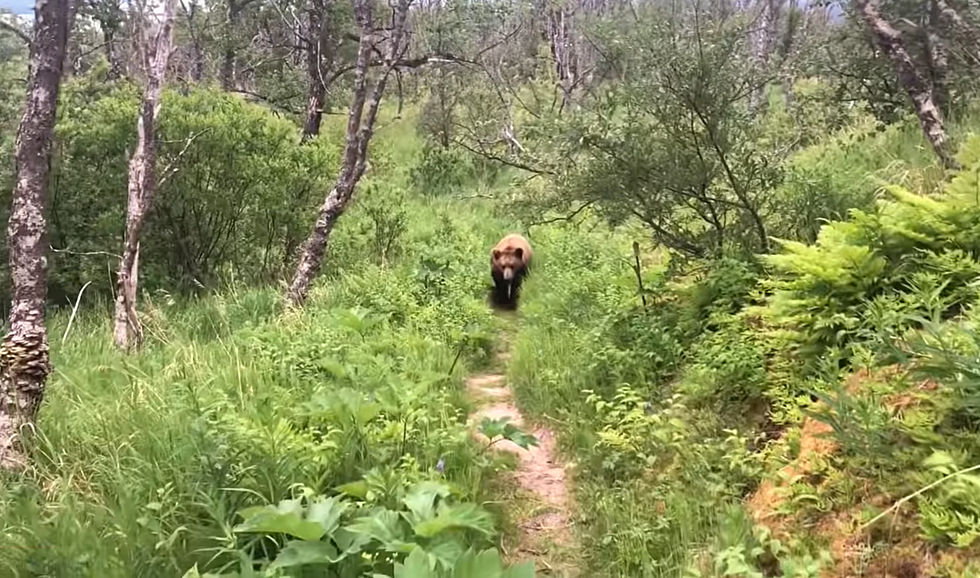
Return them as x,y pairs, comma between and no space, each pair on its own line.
141,462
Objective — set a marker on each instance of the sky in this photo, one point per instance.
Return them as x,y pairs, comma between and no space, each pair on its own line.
18,6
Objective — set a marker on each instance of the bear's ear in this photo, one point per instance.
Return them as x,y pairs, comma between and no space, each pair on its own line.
519,252
495,254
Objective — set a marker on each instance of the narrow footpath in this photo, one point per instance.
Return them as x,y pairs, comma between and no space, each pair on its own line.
537,499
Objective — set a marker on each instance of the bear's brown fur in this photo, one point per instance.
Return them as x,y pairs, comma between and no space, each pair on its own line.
510,260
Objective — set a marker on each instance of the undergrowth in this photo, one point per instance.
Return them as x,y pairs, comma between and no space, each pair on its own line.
812,411
244,439
681,405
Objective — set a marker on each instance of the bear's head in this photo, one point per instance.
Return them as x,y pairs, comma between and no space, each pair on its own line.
508,261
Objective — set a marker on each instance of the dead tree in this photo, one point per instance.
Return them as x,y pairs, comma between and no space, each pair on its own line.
192,12
155,39
360,129
937,58
318,58
764,39
889,40
229,55
24,361
949,17
110,16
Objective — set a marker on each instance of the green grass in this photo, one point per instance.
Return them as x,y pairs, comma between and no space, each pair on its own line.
141,462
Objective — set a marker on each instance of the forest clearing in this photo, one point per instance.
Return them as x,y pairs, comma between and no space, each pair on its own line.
261,312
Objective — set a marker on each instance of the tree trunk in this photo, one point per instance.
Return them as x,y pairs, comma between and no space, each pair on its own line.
24,362
109,16
889,41
358,137
112,55
317,54
155,44
191,12
763,41
951,19
229,54
937,59
559,23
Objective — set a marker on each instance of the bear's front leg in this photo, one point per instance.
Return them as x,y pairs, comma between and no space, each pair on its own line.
503,292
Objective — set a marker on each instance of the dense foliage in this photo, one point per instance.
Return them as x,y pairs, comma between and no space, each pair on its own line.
751,321
144,463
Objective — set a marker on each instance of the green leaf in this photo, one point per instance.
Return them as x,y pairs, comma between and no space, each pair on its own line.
445,550
382,526
286,518
416,565
462,516
522,570
421,500
493,427
502,428
486,564
327,512
358,489
523,440
350,542
301,553
195,573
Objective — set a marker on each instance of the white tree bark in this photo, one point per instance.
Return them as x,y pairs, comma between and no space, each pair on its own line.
155,41
889,40
360,129
24,362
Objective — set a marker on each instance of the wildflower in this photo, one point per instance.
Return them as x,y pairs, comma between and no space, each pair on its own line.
441,465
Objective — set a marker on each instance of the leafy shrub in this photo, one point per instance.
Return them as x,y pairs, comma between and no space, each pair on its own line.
725,289
370,527
950,512
727,369
911,254
237,189
744,550
828,179
442,170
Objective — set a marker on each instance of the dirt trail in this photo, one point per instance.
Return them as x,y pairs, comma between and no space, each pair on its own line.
540,505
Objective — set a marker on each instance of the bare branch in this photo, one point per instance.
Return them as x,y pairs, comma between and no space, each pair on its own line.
16,32
172,168
86,253
563,218
504,161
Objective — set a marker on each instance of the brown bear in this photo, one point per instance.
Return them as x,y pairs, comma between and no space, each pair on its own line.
510,261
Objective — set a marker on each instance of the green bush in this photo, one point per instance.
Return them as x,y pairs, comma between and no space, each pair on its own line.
828,179
237,189
863,276
442,171
142,462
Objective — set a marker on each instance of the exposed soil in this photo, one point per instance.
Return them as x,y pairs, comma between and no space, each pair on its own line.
765,502
540,504
898,553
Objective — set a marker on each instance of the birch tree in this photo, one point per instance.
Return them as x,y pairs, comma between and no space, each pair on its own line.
318,58
889,40
154,44
24,361
360,129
